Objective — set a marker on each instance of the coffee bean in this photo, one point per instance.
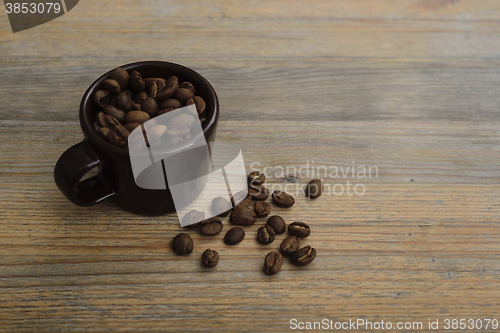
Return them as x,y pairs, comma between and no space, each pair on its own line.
221,206
170,103
121,131
181,120
314,189
234,236
182,244
153,89
198,102
137,117
108,121
161,84
102,98
183,94
171,142
96,126
243,216
163,111
188,86
273,263
212,226
140,97
210,258
258,192
150,106
290,245
136,107
277,223
193,217
131,126
124,101
299,229
283,199
265,234
304,256
112,86
121,76
103,132
262,208
136,81
241,199
171,87
156,132
115,112
256,178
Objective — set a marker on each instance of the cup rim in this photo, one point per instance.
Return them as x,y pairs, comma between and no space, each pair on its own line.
93,136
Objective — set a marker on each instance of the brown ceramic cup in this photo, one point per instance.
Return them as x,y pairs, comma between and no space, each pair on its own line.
115,177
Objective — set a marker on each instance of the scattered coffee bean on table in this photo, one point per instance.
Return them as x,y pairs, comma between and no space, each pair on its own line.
273,263
299,229
290,245
265,234
234,236
182,244
210,258
212,226
243,216
304,256
220,204
283,199
314,189
277,223
262,208
258,192
241,199
256,178
192,216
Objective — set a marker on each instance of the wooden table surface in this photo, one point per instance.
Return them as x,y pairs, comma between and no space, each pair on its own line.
410,88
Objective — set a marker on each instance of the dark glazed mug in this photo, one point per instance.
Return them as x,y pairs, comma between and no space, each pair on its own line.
115,177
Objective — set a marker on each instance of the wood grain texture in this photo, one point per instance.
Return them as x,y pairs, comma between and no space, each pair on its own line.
409,87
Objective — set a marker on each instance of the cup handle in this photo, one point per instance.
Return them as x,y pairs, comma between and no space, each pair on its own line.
73,164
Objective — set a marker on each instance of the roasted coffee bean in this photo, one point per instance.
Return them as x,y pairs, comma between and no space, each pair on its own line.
290,245
170,103
283,199
210,258
163,111
273,263
121,76
183,94
136,107
265,234
131,126
112,85
161,84
221,206
153,89
171,142
124,101
140,97
262,208
136,81
198,102
96,125
299,229
116,140
304,256
241,199
121,131
102,98
193,217
243,216
188,86
234,236
156,132
277,223
103,132
115,112
256,178
258,192
150,106
314,189
181,120
182,244
172,85
137,117
108,121
177,131
212,226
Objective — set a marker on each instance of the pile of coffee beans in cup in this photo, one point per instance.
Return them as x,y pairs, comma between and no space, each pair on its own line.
127,100
242,214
